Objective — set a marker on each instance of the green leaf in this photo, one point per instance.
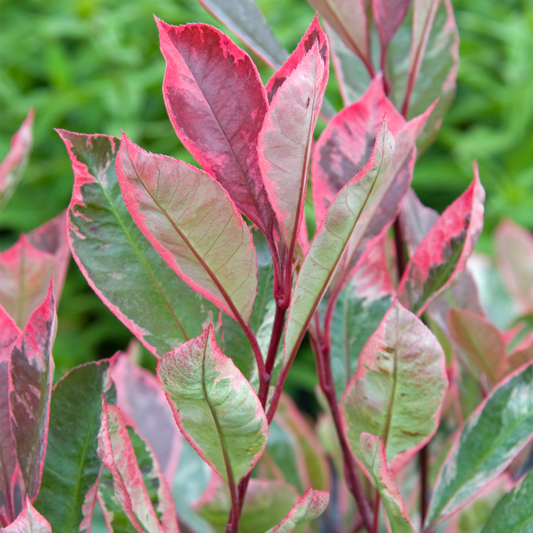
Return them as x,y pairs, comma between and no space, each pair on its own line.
216,408
398,389
372,454
120,265
492,436
72,466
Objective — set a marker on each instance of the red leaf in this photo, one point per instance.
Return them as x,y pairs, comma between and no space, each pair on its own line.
314,34
29,521
388,15
27,268
216,102
31,373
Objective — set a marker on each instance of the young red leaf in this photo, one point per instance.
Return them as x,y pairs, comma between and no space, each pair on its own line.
216,102
310,506
441,256
493,435
347,142
28,521
482,341
388,15
27,268
31,374
313,35
144,406
13,165
215,407
398,389
190,220
285,141
372,454
9,333
514,246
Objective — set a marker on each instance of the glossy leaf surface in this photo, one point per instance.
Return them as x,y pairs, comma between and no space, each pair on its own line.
286,137
333,237
442,254
145,407
216,102
215,407
13,165
493,435
72,467
372,454
28,521
119,264
482,341
310,506
246,20
191,222
31,374
28,266
398,389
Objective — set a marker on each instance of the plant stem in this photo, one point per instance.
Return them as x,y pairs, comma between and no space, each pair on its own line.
377,501
423,461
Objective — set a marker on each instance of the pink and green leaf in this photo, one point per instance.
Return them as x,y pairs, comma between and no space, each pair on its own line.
388,16
482,341
522,354
28,266
119,264
13,165
286,137
493,435
398,389
441,256
190,220
310,506
28,521
31,372
72,467
216,102
215,407
372,454
145,407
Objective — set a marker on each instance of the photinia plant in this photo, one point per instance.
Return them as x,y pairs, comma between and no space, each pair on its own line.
427,403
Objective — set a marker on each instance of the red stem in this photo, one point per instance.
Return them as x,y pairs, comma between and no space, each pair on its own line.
423,460
377,501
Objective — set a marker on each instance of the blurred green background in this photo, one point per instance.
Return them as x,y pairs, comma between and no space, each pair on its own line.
94,66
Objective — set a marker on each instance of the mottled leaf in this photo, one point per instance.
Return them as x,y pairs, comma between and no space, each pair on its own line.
13,165
31,372
310,506
9,333
28,521
493,435
72,467
482,341
286,137
372,454
119,264
145,407
214,406
245,19
398,389
514,246
216,102
441,256
190,220
28,266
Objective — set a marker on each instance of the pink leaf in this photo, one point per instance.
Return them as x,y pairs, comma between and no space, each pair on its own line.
13,165
9,334
347,142
522,354
28,521
192,223
216,102
31,374
441,256
27,268
285,141
144,405
388,15
314,34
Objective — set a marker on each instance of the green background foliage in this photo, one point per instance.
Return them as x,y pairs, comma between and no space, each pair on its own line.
94,66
